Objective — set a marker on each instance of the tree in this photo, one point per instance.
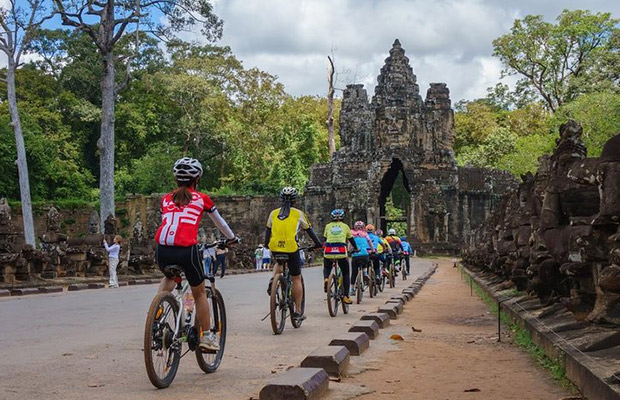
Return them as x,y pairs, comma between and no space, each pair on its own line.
551,58
330,107
105,22
18,25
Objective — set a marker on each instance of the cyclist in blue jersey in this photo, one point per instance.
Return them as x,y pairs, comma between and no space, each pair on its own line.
407,252
365,247
378,249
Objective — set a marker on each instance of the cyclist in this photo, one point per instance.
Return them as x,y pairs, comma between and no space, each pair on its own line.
281,237
375,257
336,235
360,258
407,252
395,244
386,251
177,239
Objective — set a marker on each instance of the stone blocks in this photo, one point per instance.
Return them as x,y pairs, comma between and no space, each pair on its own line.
371,328
397,304
297,384
77,286
333,359
355,342
24,291
389,309
96,285
50,289
382,319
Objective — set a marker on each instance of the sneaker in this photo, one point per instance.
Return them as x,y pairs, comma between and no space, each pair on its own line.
299,317
352,292
347,300
325,283
209,342
269,286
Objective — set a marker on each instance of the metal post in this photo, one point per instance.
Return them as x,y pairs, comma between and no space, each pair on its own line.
471,286
499,321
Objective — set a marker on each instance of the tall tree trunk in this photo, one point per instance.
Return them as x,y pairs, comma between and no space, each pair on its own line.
330,109
106,141
22,164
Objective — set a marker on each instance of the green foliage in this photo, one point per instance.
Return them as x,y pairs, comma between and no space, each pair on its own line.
555,59
599,116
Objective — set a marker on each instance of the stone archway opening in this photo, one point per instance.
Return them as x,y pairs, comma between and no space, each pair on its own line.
395,199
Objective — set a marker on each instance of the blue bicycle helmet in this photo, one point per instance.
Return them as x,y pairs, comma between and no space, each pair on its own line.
337,214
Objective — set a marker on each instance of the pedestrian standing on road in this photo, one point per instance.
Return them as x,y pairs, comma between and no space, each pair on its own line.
266,258
113,252
302,256
208,254
220,259
258,257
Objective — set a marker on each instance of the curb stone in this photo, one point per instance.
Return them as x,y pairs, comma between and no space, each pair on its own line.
297,384
389,309
4,293
355,342
333,359
382,319
398,304
24,291
51,289
371,328
96,285
77,286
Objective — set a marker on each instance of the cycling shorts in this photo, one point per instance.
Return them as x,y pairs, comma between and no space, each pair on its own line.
294,262
188,258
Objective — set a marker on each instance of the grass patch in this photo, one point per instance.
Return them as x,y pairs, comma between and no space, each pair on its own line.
521,337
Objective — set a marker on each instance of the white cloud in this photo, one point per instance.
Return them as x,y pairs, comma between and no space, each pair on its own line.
446,40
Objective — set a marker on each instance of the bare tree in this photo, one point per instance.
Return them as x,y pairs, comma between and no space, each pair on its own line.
331,141
105,22
18,25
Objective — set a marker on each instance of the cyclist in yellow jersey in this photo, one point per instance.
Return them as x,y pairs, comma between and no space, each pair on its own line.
283,226
336,234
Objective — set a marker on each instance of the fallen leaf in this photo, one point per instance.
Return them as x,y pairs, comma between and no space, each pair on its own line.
396,337
472,390
67,354
96,385
273,371
416,330
388,392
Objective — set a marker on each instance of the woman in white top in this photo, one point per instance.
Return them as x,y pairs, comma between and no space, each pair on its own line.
113,251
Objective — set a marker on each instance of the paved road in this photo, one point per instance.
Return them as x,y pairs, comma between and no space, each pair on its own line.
74,345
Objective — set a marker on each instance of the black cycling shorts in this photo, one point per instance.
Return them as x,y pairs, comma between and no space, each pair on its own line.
294,262
188,258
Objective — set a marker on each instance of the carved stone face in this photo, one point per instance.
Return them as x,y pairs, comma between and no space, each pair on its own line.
5,212
93,223
53,220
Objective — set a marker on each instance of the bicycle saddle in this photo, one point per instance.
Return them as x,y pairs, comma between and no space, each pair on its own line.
173,270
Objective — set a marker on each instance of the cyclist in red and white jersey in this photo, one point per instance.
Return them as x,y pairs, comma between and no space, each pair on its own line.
177,238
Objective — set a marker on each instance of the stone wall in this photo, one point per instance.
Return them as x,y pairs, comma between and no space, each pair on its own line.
71,243
558,234
397,131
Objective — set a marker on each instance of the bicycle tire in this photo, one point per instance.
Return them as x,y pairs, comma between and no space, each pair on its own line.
210,361
295,322
155,314
372,287
392,277
333,295
277,304
359,286
403,271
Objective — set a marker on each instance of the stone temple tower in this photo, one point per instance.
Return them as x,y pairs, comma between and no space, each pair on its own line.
398,132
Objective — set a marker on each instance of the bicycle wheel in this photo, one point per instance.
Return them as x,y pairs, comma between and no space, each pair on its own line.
392,276
403,271
208,361
359,286
372,284
333,295
277,304
162,352
296,322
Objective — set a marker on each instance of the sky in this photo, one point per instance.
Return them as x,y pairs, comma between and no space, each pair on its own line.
446,40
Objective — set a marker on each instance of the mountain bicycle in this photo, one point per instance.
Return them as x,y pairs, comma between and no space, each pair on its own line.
391,273
382,276
365,280
335,291
281,303
171,322
403,267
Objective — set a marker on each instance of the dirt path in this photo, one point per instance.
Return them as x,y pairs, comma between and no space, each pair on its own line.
456,356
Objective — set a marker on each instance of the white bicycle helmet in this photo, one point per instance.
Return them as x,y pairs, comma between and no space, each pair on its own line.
289,193
186,169
392,231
